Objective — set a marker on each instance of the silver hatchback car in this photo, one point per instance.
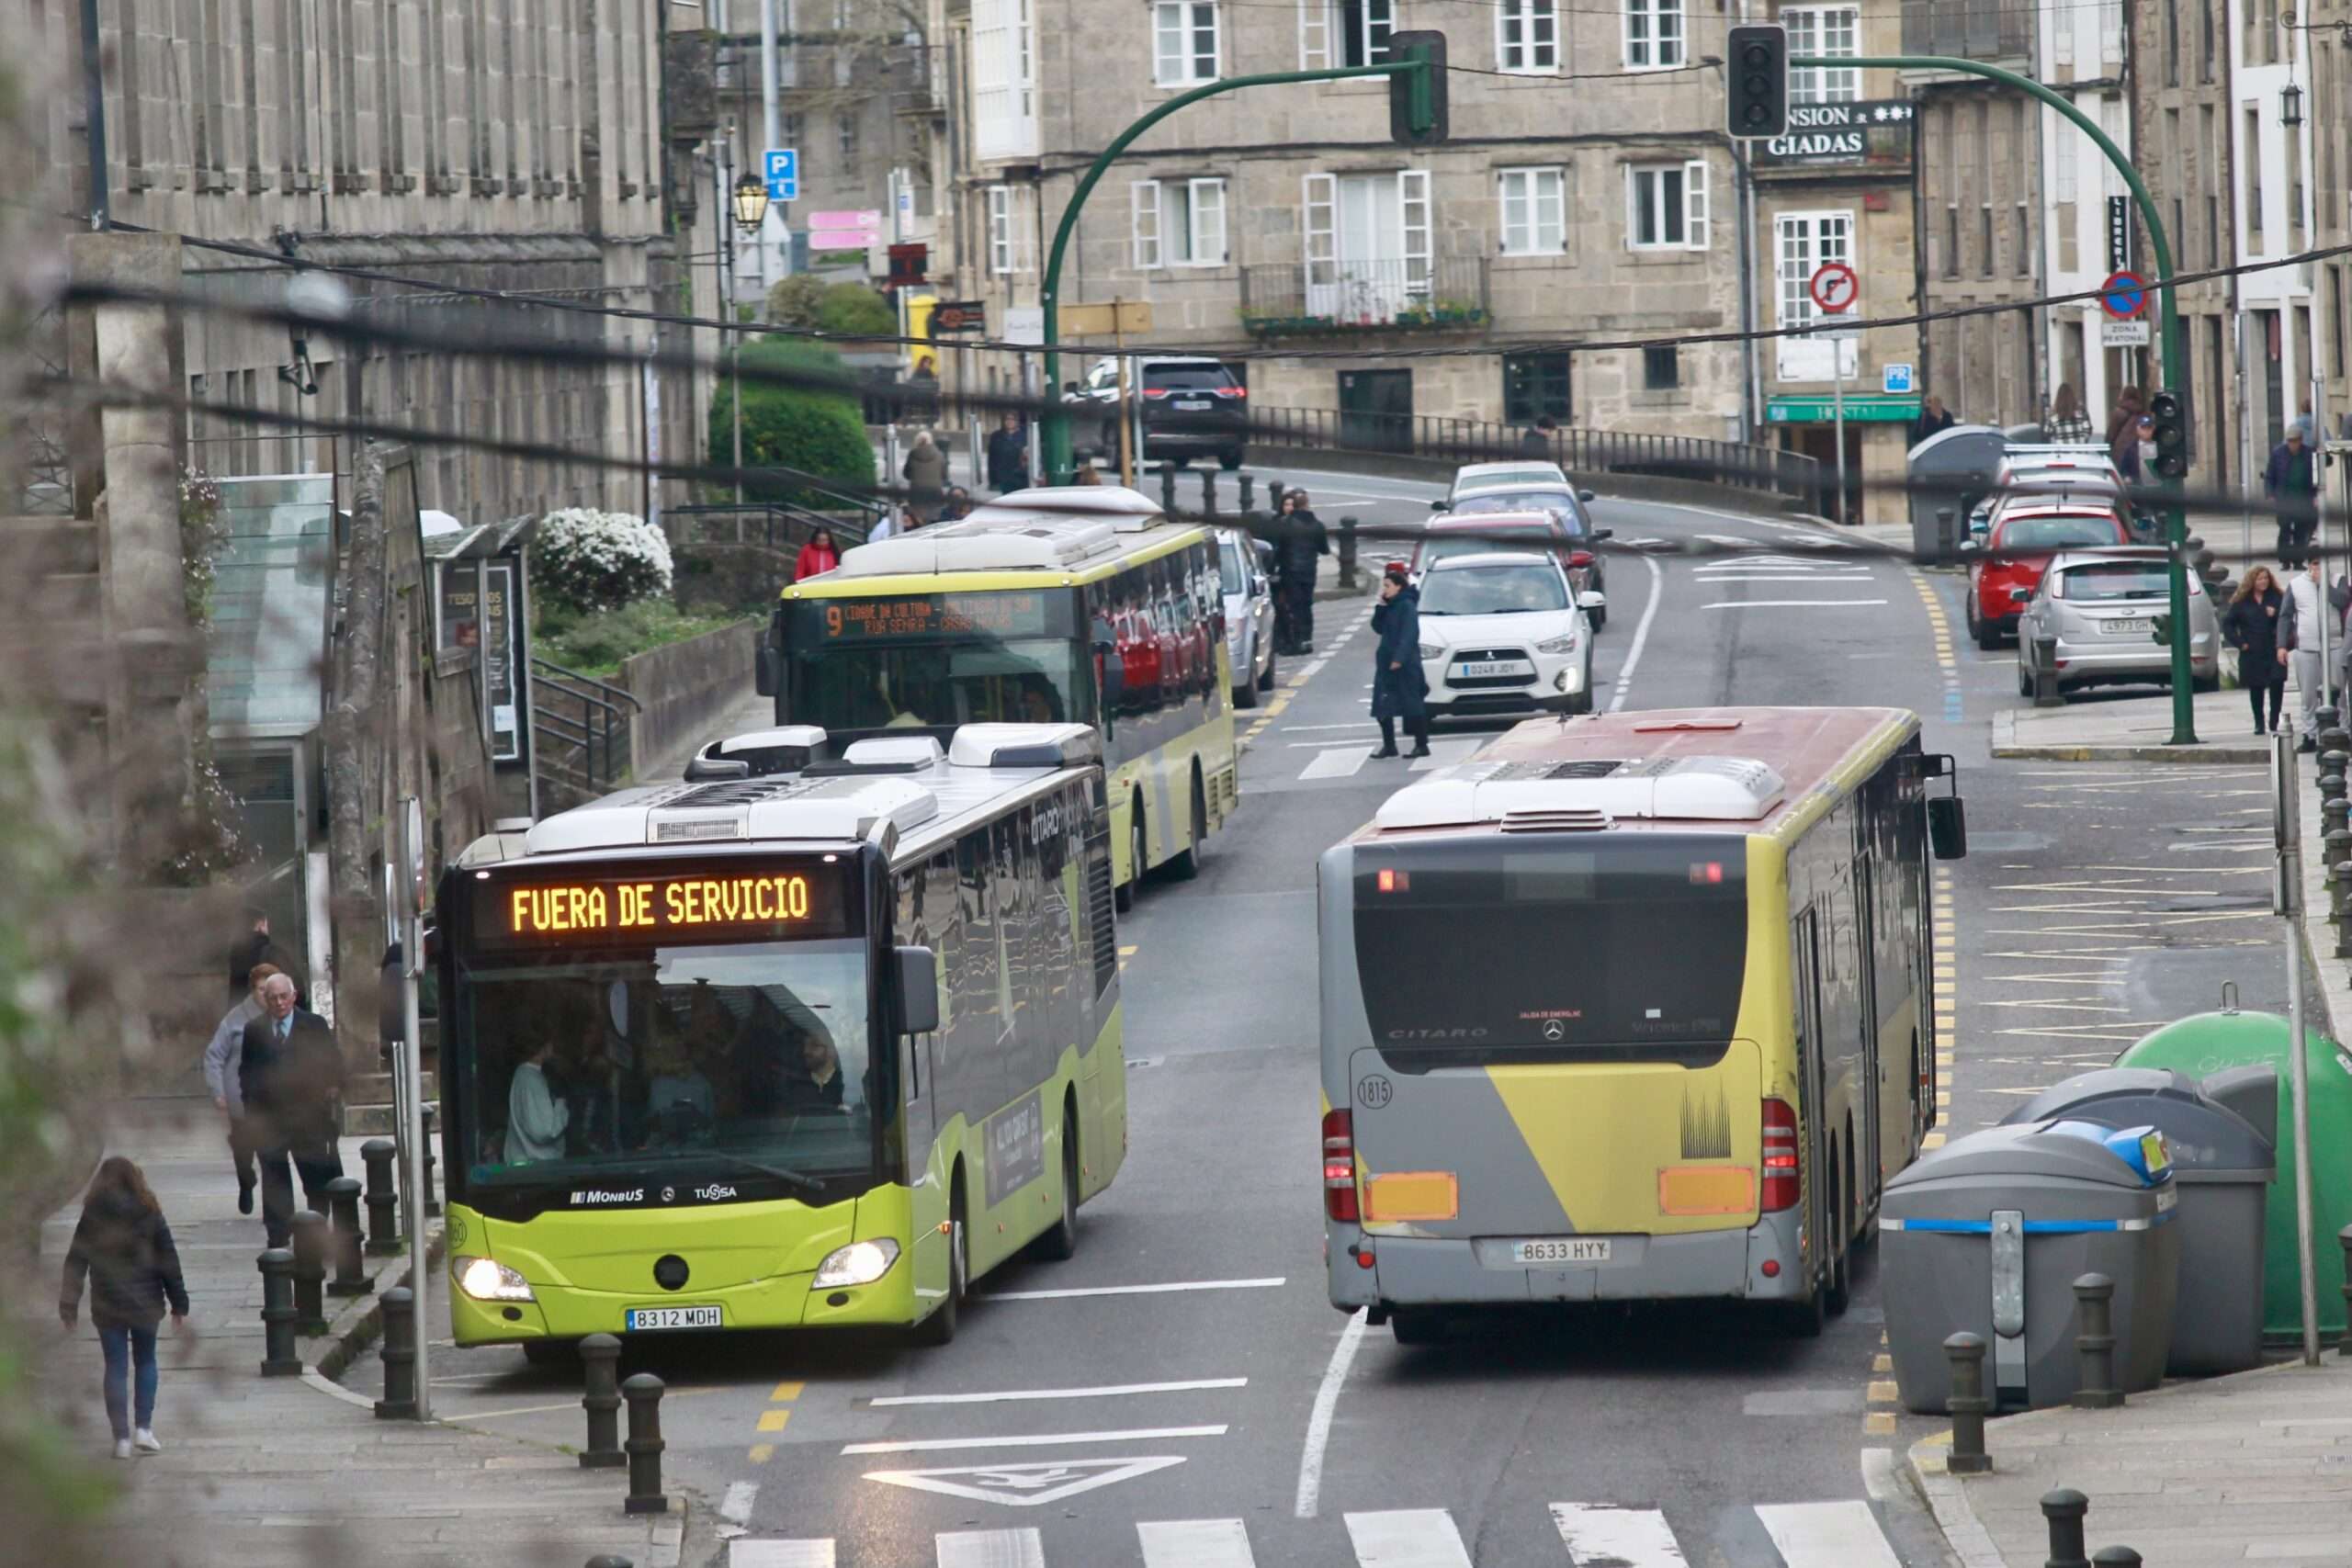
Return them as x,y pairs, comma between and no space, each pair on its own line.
2102,607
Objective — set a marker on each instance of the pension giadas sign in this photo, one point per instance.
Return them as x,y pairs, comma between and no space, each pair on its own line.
1877,131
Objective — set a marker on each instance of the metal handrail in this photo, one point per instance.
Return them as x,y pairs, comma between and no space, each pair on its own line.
781,526
600,725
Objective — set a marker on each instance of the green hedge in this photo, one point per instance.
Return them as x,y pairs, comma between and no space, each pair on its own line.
815,430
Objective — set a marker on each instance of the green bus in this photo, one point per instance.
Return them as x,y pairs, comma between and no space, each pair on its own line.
812,1048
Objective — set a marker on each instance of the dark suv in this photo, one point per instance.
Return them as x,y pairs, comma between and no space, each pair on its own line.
1189,407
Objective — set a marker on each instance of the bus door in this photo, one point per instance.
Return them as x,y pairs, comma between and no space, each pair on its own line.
1812,1082
1870,1159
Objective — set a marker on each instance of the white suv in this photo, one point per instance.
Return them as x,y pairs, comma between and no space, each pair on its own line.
1501,634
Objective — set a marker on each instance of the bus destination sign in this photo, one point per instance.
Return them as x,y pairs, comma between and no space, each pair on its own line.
918,616
715,905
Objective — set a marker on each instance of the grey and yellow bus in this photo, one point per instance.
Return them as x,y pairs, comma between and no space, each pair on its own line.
1631,1008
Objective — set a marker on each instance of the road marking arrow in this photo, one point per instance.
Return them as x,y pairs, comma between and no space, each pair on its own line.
1024,1485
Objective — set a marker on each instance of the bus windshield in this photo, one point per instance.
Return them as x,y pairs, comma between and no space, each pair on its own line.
738,1064
858,686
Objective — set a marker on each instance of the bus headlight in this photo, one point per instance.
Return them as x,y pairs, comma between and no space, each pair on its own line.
487,1280
859,1263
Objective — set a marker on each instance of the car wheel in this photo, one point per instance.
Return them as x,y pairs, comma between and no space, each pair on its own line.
2206,682
1245,695
1598,617
1266,681
1123,898
939,1329
1988,635
2025,680
1229,460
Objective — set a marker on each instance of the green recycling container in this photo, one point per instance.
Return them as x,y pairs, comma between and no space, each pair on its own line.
2209,1043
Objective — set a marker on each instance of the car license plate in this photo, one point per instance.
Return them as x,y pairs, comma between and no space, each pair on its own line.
1191,402
1475,667
1563,1249
2124,627
673,1317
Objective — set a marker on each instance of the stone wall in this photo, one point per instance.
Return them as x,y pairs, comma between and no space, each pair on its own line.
687,687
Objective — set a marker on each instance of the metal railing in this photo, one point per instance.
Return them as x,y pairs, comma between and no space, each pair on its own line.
773,524
1739,464
1290,299
583,733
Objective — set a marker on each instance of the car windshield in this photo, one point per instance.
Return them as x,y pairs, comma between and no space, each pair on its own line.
1232,574
1486,541
1494,591
2112,579
1557,501
2057,532
715,1059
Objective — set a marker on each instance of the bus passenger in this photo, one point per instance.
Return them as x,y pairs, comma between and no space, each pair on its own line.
535,1120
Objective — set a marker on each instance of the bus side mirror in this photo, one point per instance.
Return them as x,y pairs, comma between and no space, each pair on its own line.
764,677
1947,826
918,977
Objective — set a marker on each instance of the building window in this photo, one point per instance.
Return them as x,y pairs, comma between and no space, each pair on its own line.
1534,212
1183,42
1661,368
2250,155
2025,240
1984,238
845,132
1817,30
2335,319
1179,223
796,129
1667,205
1527,36
1535,386
1005,78
1803,244
1344,32
1008,232
1653,35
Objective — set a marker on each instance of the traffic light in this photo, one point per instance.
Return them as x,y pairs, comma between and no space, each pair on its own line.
2169,410
1416,98
1757,97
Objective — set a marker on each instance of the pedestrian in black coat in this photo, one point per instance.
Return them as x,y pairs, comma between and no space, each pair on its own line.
123,1248
292,1077
2263,641
1300,542
1008,455
1398,687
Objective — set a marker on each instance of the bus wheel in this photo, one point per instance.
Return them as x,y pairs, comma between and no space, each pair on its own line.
1060,1244
1841,1289
1418,1326
1123,898
939,1329
1187,865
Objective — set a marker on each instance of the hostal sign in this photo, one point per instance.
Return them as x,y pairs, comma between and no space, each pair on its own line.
1843,133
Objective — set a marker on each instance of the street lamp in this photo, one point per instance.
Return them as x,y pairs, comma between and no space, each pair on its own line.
750,203
2290,106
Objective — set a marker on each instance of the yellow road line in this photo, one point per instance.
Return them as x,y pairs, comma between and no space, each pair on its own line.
773,1420
1879,1423
785,1393
762,1452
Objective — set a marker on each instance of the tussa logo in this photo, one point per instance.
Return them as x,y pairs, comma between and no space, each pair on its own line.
597,1195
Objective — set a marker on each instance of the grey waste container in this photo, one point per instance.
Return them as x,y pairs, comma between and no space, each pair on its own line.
1989,1233
2223,1166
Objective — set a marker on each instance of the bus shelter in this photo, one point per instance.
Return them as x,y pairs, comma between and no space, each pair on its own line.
481,585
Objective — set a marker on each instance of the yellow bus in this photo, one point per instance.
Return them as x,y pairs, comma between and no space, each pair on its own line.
795,1043
1082,604
1631,1008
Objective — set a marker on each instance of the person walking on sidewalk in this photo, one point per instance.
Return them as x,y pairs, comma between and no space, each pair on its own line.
2290,484
1398,687
2255,629
925,471
293,1076
2309,601
2066,423
1300,541
224,1060
1008,457
819,555
123,1248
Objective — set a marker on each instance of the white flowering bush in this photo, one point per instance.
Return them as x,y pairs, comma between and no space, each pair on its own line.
589,560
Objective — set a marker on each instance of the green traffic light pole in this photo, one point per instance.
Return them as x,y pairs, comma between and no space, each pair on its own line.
1054,435
2172,366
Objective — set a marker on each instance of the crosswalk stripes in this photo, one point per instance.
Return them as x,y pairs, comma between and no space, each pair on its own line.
1593,1535
1346,762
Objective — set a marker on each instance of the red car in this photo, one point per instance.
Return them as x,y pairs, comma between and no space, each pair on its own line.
2012,559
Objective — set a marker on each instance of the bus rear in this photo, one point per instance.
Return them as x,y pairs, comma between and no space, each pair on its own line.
1554,1050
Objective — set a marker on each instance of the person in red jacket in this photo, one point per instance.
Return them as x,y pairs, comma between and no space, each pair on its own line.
818,555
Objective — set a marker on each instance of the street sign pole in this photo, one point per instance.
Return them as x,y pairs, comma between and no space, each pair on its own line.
2288,832
1837,355
411,1067
2171,361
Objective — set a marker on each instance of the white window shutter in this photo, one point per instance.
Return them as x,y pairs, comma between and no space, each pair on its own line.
1413,216
1208,223
1144,222
1315,23
1322,195
1694,204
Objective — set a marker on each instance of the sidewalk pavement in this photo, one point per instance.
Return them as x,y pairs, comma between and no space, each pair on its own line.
2130,729
2247,1468
260,1473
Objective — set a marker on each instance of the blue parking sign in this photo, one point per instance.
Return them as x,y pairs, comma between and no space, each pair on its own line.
1894,378
782,167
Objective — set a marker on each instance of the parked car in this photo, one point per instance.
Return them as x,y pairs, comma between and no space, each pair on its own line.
2102,607
1501,634
2012,558
1248,615
1188,406
1564,534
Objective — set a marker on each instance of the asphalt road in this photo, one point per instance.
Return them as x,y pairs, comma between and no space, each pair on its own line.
1182,1395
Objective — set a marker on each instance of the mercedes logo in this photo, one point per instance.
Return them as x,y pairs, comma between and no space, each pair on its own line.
669,1194
1554,1028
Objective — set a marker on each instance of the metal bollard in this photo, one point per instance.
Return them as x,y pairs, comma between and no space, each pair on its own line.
2114,1557
600,1357
279,1357
1348,553
2324,717
2332,760
2335,737
342,1204
2335,831
643,1392
2095,1344
310,1272
399,1354
2331,787
1274,489
2046,693
1967,1406
383,1198
1249,485
1208,493
431,1185
2064,1509
1168,489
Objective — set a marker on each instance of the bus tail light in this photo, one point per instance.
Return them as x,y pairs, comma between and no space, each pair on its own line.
1339,1165
1781,1165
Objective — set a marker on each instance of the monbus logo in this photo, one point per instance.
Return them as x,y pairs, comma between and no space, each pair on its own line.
597,1195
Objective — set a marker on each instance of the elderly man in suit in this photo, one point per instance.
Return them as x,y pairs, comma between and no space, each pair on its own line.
292,1073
